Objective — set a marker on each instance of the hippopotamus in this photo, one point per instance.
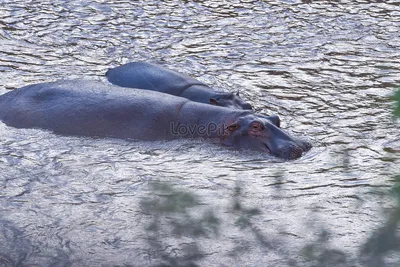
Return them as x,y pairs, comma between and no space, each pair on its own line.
92,108
153,77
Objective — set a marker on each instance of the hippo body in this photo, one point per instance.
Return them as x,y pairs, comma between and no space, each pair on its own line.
153,77
91,108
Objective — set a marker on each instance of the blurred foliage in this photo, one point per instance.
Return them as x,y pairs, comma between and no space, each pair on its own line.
380,249
396,98
178,214
385,239
244,218
320,254
177,205
175,213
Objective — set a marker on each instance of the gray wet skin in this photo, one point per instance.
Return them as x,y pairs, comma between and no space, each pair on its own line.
153,77
90,108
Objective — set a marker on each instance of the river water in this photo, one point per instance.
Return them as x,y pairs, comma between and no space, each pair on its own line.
327,69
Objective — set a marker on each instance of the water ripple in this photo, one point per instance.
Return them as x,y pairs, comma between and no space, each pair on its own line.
326,68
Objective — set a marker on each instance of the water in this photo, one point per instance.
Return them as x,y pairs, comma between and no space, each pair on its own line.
327,69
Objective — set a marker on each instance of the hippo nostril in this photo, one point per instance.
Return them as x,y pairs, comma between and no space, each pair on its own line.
306,146
296,153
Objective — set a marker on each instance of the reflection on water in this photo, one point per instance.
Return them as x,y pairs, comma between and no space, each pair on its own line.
327,69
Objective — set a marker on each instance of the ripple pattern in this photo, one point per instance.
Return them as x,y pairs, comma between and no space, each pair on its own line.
327,68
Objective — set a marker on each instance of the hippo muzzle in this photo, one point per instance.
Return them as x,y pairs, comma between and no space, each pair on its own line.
291,150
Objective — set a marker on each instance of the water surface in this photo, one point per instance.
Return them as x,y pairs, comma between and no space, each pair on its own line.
327,69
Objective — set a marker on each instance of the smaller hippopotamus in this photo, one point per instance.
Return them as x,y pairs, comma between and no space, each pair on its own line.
153,77
90,108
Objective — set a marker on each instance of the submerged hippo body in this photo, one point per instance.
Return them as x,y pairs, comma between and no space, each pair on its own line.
91,108
153,77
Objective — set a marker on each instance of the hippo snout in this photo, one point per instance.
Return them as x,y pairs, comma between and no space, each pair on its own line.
294,151
290,152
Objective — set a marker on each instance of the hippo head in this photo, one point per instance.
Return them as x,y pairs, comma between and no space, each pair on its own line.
263,133
230,100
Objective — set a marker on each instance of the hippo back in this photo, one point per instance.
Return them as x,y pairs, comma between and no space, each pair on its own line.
91,108
149,76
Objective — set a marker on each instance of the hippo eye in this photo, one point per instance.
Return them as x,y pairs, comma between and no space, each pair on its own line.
233,127
257,126
214,101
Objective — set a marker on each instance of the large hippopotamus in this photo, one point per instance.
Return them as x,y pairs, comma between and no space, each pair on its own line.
153,77
91,108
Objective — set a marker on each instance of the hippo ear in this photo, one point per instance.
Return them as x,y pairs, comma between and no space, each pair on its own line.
214,102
